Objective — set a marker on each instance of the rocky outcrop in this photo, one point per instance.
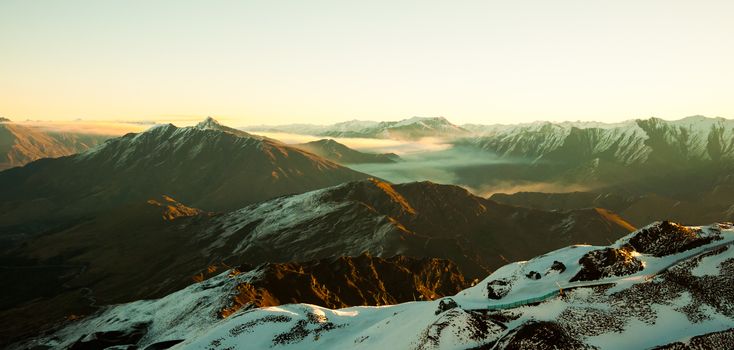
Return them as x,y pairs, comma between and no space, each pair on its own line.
667,238
348,281
607,262
171,209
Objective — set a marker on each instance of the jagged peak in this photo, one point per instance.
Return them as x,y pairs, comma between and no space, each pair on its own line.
209,123
212,124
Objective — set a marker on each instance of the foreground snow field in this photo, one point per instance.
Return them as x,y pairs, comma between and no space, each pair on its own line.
662,284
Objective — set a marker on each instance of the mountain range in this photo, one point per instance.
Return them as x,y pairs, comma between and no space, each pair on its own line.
408,129
679,169
109,258
643,169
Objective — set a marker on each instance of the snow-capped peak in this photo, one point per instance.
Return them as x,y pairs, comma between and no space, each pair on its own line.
209,123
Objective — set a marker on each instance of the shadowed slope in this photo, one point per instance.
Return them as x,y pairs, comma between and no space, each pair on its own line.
208,166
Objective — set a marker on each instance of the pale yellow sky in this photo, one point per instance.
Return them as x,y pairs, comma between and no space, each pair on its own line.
276,61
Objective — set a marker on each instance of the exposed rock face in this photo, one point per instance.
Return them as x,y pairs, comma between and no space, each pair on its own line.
171,209
338,282
607,262
667,238
558,267
445,305
348,281
497,289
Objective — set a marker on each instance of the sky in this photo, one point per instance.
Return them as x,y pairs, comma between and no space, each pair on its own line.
277,62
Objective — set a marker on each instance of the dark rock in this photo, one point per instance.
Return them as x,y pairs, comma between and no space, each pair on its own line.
533,275
349,281
607,262
446,304
558,266
163,344
667,238
497,289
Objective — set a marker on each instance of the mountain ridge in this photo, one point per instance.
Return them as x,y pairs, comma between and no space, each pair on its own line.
112,256
407,129
202,166
340,153
20,144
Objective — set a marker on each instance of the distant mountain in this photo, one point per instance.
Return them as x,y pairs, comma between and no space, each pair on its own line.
680,160
665,286
21,144
644,141
407,129
339,153
693,209
209,166
642,169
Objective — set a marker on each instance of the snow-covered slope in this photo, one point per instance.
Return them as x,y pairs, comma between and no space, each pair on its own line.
660,285
340,282
631,142
419,219
663,284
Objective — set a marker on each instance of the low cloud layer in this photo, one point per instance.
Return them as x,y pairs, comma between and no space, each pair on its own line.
87,127
437,166
510,187
402,148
